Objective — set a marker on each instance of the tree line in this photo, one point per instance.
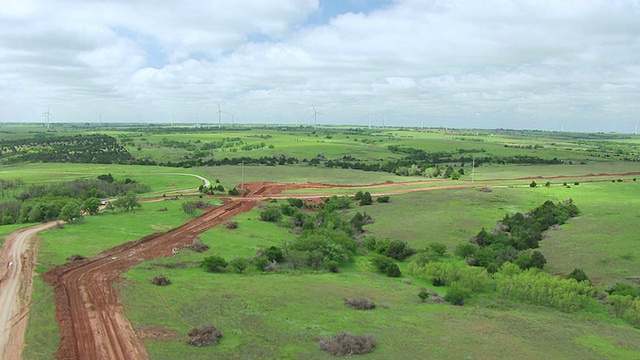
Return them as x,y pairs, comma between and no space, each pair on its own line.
69,200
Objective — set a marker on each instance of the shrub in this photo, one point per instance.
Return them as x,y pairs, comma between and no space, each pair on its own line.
360,303
383,199
231,225
578,275
366,199
332,266
547,184
204,335
457,295
234,192
274,253
214,263
239,265
423,295
438,248
160,281
393,270
344,343
76,257
271,215
395,249
198,246
358,195
381,262
261,263
533,184
466,250
295,202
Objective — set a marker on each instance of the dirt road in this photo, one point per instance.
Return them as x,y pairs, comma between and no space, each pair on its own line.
91,319
17,260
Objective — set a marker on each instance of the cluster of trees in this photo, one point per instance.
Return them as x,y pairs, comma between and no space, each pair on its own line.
508,253
417,162
624,299
68,201
90,149
539,288
515,237
327,240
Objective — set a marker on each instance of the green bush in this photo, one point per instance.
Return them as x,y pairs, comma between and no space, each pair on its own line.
383,199
457,295
381,263
271,215
466,250
578,275
393,270
214,263
239,265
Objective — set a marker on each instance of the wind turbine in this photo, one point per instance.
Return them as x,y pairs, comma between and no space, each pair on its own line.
315,117
219,117
100,118
562,127
47,116
637,129
370,121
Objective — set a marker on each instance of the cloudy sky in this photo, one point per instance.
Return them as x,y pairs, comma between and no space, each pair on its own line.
538,64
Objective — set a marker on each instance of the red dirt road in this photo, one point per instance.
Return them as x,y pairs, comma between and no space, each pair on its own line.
91,319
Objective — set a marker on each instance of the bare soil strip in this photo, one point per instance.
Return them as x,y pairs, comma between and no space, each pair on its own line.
91,319
17,261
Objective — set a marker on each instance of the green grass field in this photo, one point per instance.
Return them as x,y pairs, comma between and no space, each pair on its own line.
279,315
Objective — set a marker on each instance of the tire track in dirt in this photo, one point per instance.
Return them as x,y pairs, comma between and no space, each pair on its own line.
91,319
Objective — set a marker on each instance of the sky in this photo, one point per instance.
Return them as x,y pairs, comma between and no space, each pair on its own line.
517,64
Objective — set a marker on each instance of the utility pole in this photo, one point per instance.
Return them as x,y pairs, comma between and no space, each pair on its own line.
473,170
242,183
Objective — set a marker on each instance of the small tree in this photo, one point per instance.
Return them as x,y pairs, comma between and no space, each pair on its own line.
579,275
91,206
366,199
383,199
393,270
456,295
271,215
438,248
214,263
70,212
239,265
533,184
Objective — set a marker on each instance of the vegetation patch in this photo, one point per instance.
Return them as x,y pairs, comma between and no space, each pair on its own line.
360,303
346,344
160,280
204,336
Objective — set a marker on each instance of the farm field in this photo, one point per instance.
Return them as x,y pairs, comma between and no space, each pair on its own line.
281,314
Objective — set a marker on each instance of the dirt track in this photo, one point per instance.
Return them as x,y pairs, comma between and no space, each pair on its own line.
90,317
17,261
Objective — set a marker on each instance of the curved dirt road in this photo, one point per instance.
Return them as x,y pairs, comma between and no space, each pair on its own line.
17,260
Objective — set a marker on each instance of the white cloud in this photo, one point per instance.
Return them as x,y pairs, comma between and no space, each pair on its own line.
466,63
